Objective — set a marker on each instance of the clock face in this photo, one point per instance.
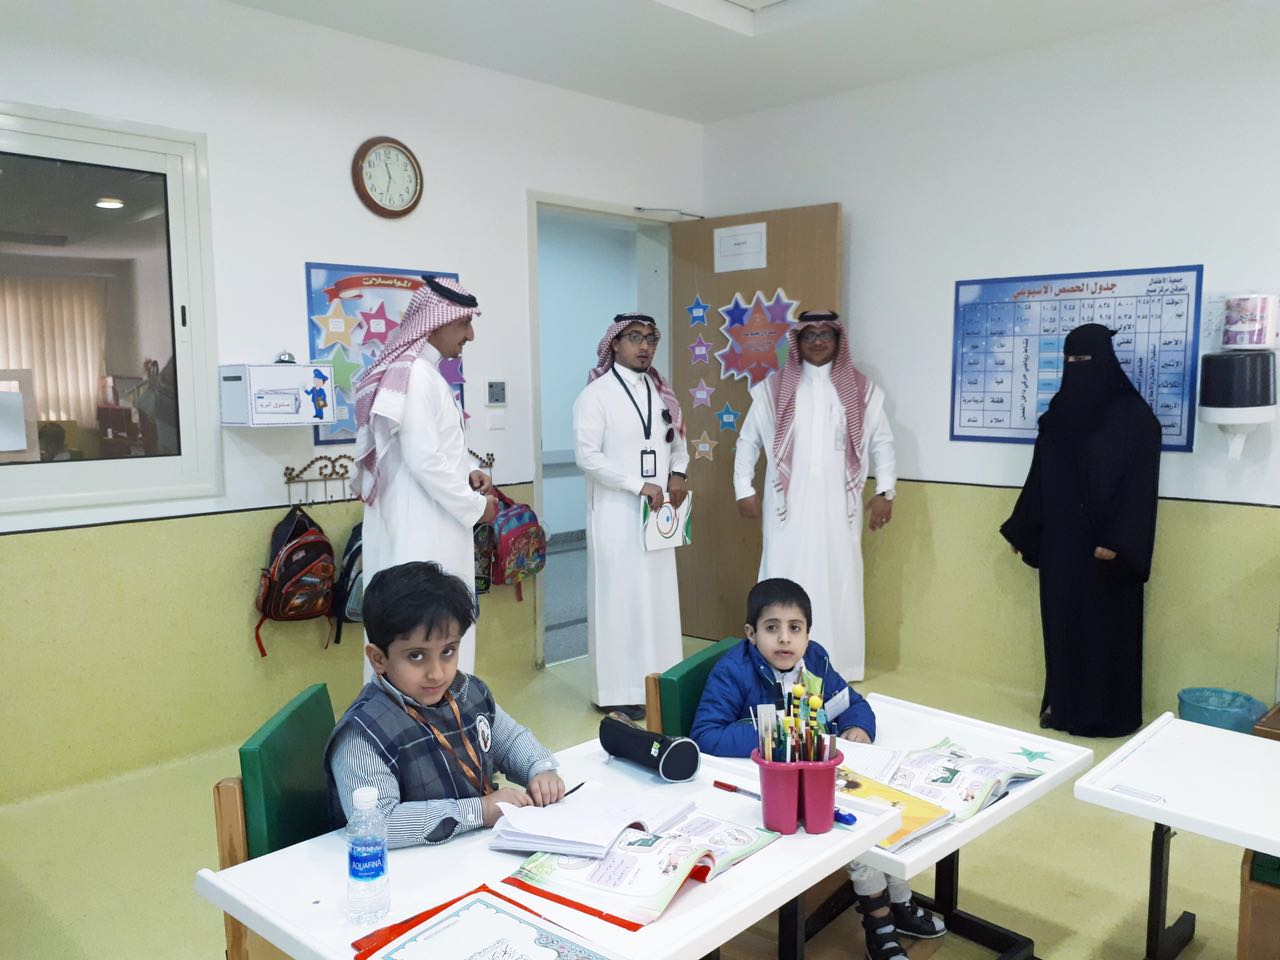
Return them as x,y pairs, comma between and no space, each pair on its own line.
390,177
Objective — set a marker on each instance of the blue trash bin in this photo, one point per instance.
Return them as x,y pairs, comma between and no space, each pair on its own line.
1229,709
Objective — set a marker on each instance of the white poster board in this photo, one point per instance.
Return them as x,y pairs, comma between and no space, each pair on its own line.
19,442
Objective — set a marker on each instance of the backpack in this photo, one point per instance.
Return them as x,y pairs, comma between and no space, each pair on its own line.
297,583
348,589
520,544
484,541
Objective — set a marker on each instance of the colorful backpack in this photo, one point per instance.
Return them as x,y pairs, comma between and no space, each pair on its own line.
297,583
348,589
484,540
520,544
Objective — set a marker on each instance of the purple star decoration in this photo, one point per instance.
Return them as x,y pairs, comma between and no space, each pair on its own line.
702,394
700,351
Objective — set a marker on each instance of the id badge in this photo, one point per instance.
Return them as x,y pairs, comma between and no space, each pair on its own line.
648,464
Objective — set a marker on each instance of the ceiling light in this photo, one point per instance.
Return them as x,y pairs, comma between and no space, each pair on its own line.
109,203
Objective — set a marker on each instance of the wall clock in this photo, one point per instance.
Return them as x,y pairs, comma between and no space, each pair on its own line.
387,177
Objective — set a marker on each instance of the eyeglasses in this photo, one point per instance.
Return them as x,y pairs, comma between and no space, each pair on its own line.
817,336
637,338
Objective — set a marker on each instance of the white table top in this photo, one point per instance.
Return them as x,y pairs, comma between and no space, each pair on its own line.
294,897
902,725
1196,778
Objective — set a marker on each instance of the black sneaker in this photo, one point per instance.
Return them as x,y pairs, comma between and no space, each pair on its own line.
633,712
882,944
913,920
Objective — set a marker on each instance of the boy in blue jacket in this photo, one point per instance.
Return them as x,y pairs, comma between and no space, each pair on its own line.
777,650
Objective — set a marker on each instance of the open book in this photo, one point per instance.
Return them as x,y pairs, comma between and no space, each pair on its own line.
587,823
919,816
642,872
949,775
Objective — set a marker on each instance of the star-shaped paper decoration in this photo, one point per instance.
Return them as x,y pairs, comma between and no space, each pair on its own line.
780,307
697,312
753,344
702,394
343,369
335,326
451,369
736,312
1032,756
704,448
700,351
377,325
728,417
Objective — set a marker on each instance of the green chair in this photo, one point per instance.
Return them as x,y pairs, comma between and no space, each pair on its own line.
280,798
671,698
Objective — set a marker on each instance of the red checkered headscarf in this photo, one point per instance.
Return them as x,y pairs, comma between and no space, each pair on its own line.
380,394
851,387
604,363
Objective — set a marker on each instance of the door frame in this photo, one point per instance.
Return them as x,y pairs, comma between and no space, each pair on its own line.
602,208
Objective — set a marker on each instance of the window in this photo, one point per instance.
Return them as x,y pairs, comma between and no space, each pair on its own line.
106,338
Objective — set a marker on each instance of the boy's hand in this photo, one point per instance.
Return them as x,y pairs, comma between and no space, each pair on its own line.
856,734
489,804
546,788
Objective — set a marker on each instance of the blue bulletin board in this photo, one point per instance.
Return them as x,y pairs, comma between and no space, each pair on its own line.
1007,349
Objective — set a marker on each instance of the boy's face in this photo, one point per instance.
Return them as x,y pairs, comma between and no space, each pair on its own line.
419,666
781,634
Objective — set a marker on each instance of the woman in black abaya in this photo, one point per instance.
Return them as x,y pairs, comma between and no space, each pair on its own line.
1086,519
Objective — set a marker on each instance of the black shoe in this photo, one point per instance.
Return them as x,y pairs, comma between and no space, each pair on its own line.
914,920
633,712
882,943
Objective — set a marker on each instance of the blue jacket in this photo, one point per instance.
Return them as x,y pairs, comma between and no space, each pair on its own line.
742,678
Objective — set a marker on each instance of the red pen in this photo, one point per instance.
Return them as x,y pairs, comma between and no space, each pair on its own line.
720,784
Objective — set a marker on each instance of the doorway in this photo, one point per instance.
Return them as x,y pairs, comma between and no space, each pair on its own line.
590,266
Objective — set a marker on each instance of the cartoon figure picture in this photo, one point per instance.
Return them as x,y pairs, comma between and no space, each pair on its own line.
318,398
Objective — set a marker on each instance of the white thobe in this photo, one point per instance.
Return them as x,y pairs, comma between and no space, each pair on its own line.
819,545
425,507
633,601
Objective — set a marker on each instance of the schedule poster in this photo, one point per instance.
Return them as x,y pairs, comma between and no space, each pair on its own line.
1007,350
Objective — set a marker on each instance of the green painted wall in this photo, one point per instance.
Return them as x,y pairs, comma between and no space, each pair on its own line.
944,592
130,645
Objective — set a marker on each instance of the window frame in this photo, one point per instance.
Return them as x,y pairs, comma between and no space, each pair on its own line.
182,156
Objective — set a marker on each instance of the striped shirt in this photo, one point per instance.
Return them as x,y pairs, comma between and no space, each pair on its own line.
356,762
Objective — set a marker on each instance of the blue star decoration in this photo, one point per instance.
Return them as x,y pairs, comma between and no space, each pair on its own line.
728,417
697,312
1032,756
735,313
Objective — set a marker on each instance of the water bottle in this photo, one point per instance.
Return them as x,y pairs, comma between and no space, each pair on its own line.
368,895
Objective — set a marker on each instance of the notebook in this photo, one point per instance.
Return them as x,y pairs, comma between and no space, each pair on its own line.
587,823
919,816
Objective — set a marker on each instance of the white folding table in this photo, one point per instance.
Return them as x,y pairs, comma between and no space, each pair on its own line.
294,897
1188,776
902,725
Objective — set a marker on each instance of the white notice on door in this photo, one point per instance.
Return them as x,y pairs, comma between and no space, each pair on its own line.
740,248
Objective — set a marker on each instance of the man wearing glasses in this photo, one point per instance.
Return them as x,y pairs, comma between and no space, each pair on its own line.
820,422
628,439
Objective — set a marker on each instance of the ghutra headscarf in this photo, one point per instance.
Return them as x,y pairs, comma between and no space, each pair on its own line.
604,363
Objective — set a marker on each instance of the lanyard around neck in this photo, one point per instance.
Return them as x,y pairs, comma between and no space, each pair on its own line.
646,424
474,774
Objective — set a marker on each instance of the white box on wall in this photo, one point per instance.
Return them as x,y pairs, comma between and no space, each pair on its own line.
276,394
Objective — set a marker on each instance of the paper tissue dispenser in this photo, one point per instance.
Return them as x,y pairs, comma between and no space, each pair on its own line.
1238,392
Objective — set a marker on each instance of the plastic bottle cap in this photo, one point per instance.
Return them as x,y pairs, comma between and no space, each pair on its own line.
365,798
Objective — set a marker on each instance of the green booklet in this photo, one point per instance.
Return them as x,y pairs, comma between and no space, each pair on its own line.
642,872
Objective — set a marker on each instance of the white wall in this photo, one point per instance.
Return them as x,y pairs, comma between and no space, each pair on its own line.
586,275
284,106
1151,147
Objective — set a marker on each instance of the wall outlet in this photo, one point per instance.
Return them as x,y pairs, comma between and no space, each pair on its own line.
497,393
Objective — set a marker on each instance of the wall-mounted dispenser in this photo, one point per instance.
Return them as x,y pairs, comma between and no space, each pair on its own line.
1238,392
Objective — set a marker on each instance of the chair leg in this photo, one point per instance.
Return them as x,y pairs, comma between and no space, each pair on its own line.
652,704
233,848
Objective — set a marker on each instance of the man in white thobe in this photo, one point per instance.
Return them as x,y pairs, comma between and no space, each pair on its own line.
820,421
628,439
421,496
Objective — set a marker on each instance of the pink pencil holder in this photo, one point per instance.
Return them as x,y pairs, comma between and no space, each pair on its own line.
818,793
780,794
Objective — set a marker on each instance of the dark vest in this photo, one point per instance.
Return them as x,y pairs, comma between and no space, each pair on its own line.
425,770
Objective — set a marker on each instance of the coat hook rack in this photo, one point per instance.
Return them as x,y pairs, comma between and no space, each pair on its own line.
333,474
486,462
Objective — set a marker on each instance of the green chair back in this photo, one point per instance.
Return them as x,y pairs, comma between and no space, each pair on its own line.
286,790
680,688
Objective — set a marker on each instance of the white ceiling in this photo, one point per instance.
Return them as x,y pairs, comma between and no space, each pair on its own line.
701,60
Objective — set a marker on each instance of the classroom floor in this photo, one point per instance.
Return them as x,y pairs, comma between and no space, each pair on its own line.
105,871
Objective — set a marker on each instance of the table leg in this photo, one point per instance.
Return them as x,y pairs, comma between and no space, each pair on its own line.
1007,944
791,930
1164,943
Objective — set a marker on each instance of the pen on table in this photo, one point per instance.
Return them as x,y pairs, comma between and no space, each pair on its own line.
570,790
841,816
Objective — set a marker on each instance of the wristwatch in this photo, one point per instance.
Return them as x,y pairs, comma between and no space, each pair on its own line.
887,494
677,473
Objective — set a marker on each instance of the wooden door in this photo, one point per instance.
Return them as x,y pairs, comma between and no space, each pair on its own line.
803,264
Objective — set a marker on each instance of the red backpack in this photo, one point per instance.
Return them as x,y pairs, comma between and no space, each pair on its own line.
520,543
297,584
